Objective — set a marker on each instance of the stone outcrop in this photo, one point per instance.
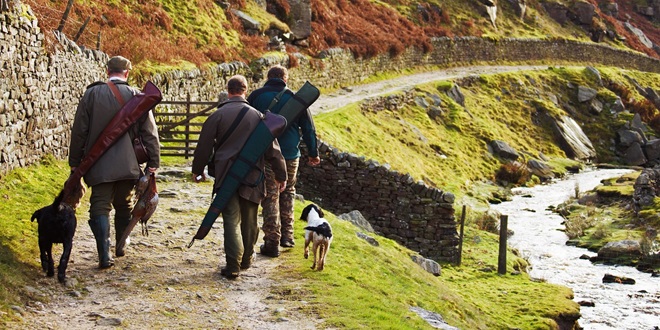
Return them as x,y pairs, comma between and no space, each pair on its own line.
572,139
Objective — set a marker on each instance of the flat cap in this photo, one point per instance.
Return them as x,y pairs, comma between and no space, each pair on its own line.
119,64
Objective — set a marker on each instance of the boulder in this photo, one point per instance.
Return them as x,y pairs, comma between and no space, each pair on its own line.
557,11
540,169
455,94
585,94
300,21
609,278
634,155
249,23
639,34
572,139
356,218
503,150
618,249
584,11
652,150
427,264
626,137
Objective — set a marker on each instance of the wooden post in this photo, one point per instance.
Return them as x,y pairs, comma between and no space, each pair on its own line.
460,238
4,5
98,41
65,16
80,31
187,143
501,260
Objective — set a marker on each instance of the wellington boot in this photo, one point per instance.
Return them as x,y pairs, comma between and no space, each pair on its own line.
100,226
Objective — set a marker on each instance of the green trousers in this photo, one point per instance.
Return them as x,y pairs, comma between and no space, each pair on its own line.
241,231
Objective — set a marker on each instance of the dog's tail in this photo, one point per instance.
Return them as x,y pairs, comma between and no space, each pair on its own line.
322,229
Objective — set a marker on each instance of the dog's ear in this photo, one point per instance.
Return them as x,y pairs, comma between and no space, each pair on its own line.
319,211
305,212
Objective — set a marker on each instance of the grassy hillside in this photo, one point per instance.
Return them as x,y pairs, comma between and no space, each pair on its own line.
174,32
504,107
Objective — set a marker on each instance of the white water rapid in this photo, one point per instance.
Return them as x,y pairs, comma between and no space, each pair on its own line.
538,237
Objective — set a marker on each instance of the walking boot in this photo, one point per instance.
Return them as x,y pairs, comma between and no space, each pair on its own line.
120,227
100,226
270,249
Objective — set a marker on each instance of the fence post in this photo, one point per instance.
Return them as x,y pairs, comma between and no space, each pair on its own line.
82,28
460,238
65,16
187,144
501,260
98,41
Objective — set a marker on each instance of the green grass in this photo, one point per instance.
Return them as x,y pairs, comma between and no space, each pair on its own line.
370,287
23,191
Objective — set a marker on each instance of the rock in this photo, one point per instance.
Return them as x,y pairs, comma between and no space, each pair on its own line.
455,94
356,218
434,319
587,303
369,239
503,150
427,264
634,155
574,142
556,11
108,322
593,72
618,249
609,278
627,137
585,94
540,169
249,23
584,11
652,149
639,34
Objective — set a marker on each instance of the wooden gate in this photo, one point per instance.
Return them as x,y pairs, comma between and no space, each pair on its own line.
179,125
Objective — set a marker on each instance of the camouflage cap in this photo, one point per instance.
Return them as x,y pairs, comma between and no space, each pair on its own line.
119,64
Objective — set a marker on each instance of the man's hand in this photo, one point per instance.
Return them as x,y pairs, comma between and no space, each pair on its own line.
152,169
282,185
199,177
313,161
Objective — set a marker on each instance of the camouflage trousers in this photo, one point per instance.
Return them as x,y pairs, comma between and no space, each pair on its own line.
278,207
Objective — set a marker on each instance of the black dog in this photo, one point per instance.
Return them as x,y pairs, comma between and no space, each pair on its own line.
57,224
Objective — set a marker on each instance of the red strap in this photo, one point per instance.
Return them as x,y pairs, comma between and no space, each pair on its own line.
115,91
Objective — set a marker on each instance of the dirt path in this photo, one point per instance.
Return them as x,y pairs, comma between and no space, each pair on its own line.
161,283
352,94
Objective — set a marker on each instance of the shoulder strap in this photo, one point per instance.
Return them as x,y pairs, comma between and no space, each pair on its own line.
231,128
115,91
276,99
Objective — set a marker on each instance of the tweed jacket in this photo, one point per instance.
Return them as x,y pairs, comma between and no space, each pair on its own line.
96,109
215,127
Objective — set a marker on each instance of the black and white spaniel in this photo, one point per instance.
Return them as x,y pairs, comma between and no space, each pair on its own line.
319,232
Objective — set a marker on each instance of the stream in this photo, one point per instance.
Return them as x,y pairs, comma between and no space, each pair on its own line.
538,237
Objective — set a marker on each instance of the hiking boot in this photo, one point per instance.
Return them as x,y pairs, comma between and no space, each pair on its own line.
245,264
269,250
228,274
287,243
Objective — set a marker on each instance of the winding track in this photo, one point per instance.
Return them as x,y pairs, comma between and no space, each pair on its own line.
346,96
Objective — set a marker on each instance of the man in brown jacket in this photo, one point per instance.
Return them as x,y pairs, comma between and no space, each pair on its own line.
240,214
114,175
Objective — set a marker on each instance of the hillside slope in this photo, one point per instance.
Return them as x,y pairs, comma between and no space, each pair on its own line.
175,32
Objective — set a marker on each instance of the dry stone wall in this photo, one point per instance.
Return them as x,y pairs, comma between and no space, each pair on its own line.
411,213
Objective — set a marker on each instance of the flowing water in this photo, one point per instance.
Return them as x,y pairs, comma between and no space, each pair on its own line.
538,237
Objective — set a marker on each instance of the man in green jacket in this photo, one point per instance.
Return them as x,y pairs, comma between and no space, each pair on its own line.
114,175
240,214
278,207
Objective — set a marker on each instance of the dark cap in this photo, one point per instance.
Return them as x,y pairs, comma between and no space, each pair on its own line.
119,64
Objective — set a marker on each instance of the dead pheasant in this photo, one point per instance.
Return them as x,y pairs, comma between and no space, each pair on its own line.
147,201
